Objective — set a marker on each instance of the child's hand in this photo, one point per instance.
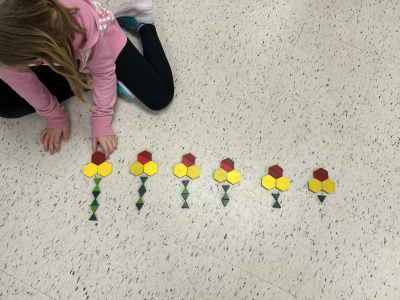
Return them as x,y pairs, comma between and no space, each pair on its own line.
50,137
109,143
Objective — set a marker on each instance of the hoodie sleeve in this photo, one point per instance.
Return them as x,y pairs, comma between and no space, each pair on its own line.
25,82
101,65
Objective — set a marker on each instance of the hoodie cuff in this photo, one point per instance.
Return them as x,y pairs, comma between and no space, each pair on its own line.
101,126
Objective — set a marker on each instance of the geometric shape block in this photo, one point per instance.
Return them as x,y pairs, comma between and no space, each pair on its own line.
220,175
188,160
137,168
98,158
276,205
314,185
282,184
104,169
228,165
143,179
141,193
97,180
90,170
225,201
185,196
185,191
94,208
193,172
233,177
268,182
139,204
321,198
94,203
225,187
93,218
328,186
95,194
151,168
142,188
180,170
321,174
275,171
226,197
144,157
96,189
276,196
185,182
185,205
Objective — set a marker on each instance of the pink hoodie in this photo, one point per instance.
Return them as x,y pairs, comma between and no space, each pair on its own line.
97,50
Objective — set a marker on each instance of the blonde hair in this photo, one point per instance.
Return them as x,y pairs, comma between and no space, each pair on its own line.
28,31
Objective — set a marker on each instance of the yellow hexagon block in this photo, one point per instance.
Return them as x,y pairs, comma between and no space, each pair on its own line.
268,182
193,172
105,169
180,170
90,170
151,168
220,175
137,168
328,186
233,177
282,184
314,185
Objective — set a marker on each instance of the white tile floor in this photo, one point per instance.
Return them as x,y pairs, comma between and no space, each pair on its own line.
301,83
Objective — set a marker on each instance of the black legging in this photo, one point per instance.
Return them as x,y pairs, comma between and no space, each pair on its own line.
148,77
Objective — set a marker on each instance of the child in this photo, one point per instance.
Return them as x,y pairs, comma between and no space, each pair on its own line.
47,45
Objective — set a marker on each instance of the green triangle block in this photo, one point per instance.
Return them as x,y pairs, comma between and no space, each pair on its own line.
276,196
141,192
185,205
226,187
142,188
97,180
95,194
277,205
94,203
140,201
143,179
321,198
93,218
225,197
185,191
185,196
139,206
185,182
225,201
94,208
96,189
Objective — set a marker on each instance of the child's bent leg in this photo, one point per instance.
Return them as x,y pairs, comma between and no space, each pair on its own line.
148,77
13,106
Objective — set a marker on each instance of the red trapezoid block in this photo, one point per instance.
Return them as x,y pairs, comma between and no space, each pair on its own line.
228,165
321,174
188,160
144,157
98,158
275,171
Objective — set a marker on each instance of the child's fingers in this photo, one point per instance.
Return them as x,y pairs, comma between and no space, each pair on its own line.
42,136
57,144
46,143
66,133
94,145
115,142
51,144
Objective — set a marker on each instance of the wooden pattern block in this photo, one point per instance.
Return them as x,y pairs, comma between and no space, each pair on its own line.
276,204
188,160
220,175
328,186
104,169
321,198
185,205
98,158
314,185
268,182
151,168
193,172
228,165
180,170
321,174
225,201
225,187
90,170
97,180
282,184
233,177
95,194
139,204
144,157
93,218
137,168
275,171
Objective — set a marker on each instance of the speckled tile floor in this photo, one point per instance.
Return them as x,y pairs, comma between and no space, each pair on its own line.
300,83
